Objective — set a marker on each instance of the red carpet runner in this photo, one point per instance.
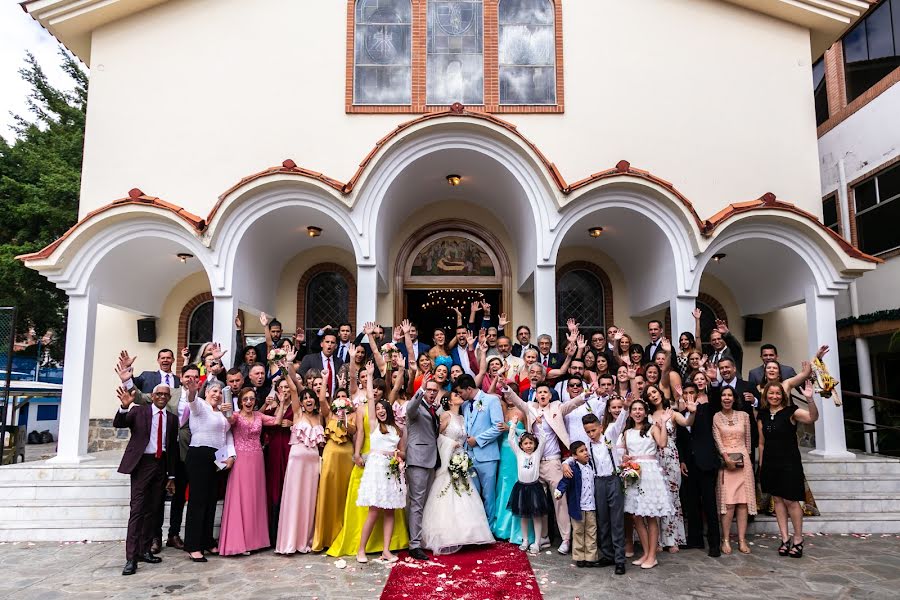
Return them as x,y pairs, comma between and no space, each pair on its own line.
498,572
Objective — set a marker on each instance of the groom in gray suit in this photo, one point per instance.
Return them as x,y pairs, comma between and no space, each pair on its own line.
422,458
484,424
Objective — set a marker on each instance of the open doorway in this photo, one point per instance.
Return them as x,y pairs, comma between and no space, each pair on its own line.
431,309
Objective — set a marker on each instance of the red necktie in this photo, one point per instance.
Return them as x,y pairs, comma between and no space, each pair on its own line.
546,360
159,441
330,369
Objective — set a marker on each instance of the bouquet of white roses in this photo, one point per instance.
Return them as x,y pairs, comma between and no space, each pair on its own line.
276,355
388,351
459,467
341,407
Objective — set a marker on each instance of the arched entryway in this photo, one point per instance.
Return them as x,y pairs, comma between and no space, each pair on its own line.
451,262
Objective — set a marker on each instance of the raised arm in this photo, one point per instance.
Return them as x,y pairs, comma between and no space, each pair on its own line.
810,414
796,380
370,396
405,326
573,403
698,344
481,351
264,320
369,330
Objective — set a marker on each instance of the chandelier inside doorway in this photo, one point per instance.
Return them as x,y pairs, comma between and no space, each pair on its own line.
445,300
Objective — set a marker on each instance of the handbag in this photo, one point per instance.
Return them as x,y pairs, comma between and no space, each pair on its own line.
737,458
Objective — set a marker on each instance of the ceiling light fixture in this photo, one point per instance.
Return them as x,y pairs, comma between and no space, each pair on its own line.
454,180
595,232
718,257
184,256
313,231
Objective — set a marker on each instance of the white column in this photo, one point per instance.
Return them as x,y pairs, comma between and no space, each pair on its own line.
225,309
75,405
864,371
545,304
367,296
681,308
822,330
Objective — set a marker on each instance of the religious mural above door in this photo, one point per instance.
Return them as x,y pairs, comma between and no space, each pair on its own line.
452,255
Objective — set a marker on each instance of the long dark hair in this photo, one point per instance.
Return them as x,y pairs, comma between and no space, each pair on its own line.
607,413
664,403
308,392
629,422
389,420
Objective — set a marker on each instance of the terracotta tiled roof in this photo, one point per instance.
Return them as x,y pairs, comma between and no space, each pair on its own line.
768,201
135,196
622,169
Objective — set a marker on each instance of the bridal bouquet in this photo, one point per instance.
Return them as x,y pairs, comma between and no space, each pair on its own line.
341,407
388,351
630,472
277,355
459,467
396,467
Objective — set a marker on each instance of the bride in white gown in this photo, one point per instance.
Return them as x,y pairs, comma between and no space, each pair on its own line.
452,519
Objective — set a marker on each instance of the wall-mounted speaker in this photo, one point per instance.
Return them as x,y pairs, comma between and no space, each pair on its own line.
146,330
753,329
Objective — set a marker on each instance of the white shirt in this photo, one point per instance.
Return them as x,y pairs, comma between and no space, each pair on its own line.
162,378
328,365
154,429
574,425
599,452
551,444
528,466
587,486
208,427
463,352
653,346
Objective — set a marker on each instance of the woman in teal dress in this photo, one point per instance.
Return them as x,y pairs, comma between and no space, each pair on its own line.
506,526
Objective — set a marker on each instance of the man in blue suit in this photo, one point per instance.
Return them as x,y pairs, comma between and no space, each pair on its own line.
484,425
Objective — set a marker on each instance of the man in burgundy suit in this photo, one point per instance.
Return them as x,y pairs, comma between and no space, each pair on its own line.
150,459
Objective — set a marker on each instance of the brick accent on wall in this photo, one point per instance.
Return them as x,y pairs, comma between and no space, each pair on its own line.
835,85
491,67
581,265
326,268
858,103
183,322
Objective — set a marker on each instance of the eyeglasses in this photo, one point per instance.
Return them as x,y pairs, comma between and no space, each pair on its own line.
575,384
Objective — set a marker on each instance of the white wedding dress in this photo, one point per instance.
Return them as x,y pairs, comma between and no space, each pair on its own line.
451,520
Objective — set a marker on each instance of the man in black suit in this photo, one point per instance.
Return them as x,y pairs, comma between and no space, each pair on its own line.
768,353
745,397
148,380
275,330
523,341
150,459
699,470
324,360
344,339
725,345
262,385
550,360
655,331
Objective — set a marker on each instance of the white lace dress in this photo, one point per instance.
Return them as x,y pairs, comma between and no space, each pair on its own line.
649,495
378,487
452,520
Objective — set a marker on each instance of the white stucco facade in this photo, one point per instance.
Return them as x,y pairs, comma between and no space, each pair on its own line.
191,101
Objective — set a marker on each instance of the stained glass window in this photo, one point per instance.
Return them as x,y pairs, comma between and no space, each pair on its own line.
200,327
455,52
382,52
327,302
527,52
579,296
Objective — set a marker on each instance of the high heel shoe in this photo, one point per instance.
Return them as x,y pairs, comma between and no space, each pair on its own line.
743,547
195,559
726,547
784,548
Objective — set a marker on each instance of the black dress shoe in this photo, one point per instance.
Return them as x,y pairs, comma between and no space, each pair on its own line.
418,554
148,558
130,567
620,569
603,562
715,552
201,559
156,546
580,564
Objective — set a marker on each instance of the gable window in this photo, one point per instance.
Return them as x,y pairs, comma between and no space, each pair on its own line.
872,48
830,213
455,52
527,52
382,52
877,204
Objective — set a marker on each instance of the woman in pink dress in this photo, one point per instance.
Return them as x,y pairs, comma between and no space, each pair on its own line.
244,524
296,522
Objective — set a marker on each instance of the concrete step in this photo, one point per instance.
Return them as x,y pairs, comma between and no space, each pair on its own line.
862,465
41,471
850,502
829,483
836,523
115,489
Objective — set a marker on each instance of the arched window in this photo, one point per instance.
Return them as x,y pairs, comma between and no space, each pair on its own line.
200,327
455,52
527,52
579,296
382,42
327,302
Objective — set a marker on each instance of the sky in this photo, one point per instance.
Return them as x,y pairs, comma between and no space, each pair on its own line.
19,33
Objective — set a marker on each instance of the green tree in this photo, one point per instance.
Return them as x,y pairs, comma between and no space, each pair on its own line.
40,178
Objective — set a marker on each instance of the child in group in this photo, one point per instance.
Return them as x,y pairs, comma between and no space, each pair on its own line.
608,498
646,499
383,486
582,506
527,499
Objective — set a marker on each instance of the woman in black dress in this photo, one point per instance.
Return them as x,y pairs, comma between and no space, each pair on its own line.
780,468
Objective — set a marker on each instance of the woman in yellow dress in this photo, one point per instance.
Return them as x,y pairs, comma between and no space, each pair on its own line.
347,541
337,465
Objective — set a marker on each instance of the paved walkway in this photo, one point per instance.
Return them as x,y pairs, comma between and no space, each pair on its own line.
834,567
